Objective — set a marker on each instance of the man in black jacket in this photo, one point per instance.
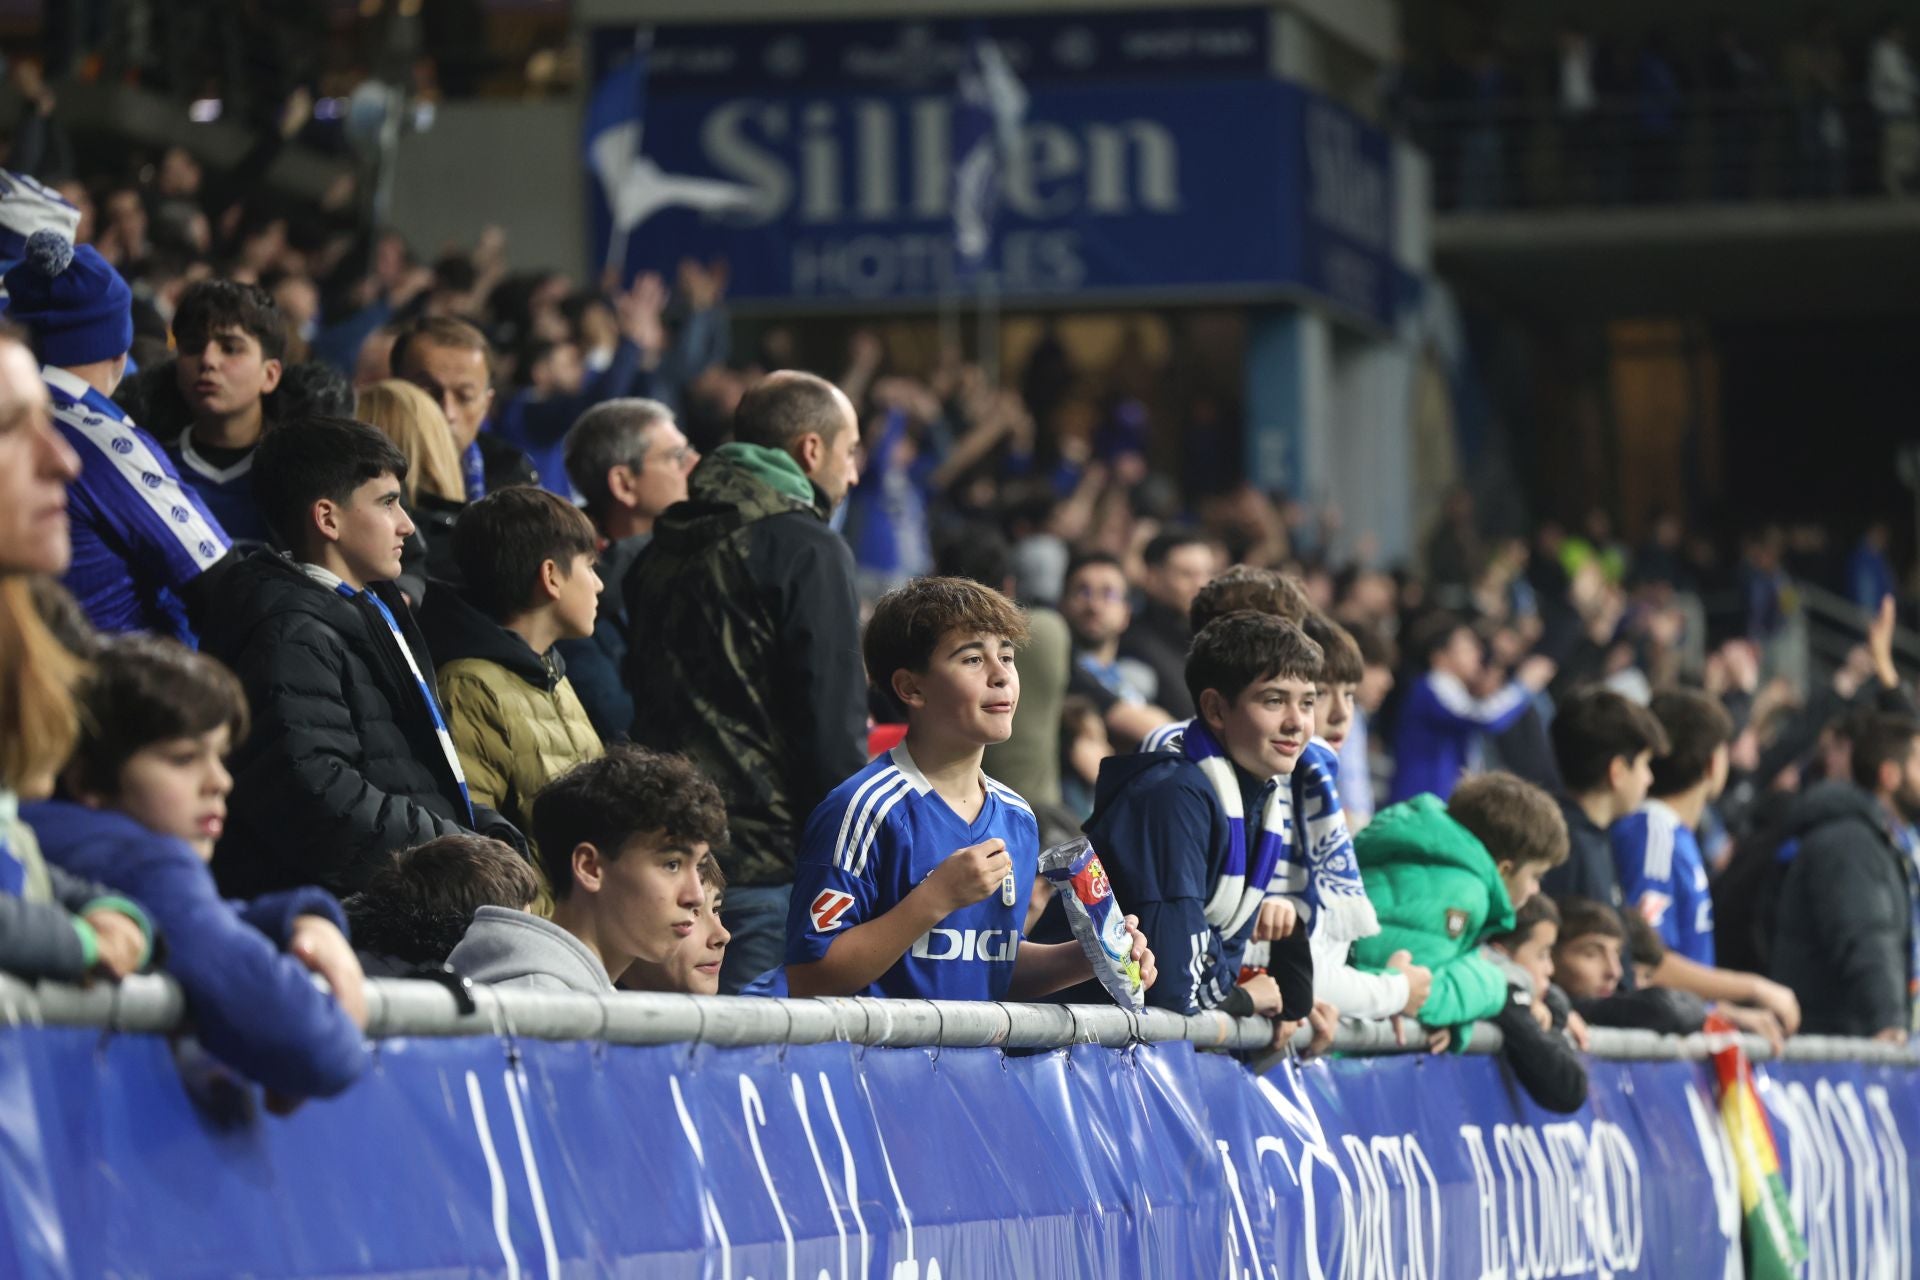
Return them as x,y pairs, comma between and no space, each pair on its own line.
1178,563
1844,931
744,642
349,760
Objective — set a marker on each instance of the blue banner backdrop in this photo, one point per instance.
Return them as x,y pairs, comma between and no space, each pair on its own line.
481,1157
1154,157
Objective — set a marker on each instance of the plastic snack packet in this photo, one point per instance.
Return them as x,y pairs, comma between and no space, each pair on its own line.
1097,920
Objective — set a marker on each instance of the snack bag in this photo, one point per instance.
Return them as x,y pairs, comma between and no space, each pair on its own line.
1097,920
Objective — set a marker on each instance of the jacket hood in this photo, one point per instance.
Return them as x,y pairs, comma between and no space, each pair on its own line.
455,628
502,945
1420,832
1122,771
1834,802
262,584
726,491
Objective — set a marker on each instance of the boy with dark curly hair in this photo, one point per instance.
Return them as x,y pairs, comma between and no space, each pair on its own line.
622,840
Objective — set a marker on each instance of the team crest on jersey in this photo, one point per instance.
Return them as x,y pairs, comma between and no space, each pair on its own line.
1653,907
828,908
1456,922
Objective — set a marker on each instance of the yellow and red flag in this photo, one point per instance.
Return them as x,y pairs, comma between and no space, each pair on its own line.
1773,1244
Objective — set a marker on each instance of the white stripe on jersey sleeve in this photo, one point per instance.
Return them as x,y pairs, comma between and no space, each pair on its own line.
130,457
879,820
1657,860
1009,795
840,846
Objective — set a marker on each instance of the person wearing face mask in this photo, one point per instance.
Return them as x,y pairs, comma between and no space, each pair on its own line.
147,792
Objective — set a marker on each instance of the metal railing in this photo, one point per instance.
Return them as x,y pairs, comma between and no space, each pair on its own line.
401,1007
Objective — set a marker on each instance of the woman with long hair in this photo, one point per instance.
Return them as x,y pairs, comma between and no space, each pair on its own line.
435,487
51,924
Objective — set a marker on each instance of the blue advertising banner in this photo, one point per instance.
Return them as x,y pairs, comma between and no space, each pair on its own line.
1153,158
478,1156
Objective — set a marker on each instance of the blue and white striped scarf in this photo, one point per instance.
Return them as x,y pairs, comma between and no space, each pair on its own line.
1309,861
1243,881
426,693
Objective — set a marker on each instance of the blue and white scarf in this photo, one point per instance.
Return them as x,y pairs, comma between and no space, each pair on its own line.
1243,880
1321,861
1311,862
426,693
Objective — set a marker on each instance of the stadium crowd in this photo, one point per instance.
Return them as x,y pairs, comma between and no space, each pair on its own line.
358,616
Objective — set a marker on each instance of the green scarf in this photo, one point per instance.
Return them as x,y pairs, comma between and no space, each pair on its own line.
775,467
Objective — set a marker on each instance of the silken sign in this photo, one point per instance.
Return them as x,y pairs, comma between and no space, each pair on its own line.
1154,158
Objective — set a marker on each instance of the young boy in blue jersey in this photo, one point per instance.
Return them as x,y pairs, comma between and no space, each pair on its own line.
914,873
1663,875
231,340
1192,838
143,543
1444,713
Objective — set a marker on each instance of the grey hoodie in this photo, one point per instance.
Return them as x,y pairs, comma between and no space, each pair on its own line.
508,948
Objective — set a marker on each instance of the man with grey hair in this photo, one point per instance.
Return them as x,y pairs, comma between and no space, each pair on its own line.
629,461
743,639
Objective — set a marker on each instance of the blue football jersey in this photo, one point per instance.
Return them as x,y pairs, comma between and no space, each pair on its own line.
225,491
878,835
138,533
1663,876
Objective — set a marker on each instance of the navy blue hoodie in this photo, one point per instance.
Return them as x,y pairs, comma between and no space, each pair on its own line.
254,1007
1164,838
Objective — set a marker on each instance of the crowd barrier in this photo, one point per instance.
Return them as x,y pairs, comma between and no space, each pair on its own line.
674,1136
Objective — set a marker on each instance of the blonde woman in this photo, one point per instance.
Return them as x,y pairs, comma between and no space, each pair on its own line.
51,924
436,490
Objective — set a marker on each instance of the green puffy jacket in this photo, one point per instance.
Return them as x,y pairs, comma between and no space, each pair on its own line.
1437,893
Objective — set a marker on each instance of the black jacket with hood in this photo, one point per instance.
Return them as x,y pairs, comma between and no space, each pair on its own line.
744,650
343,766
1845,916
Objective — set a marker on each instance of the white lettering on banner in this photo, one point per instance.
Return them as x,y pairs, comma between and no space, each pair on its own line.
820,1168
1848,1179
1111,169
709,1211
755,1115
883,265
1555,1200
496,1181
516,1090
966,944
1346,190
849,1173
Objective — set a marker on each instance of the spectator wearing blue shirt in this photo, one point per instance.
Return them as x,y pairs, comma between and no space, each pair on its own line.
142,542
231,341
1869,573
149,788
1444,714
913,875
1663,877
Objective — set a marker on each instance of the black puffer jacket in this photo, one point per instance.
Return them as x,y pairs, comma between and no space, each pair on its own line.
343,765
1844,916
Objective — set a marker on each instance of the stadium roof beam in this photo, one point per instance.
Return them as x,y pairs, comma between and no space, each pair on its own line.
1760,261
